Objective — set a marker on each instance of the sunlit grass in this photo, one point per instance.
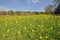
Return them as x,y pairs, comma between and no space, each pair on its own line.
35,27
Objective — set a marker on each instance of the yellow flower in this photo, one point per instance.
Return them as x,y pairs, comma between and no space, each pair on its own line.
18,32
24,27
38,25
36,39
52,39
32,30
40,37
50,28
46,37
6,22
41,26
4,35
59,24
6,25
46,18
8,30
58,32
16,21
30,24
10,23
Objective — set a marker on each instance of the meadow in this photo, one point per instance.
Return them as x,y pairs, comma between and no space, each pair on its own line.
33,27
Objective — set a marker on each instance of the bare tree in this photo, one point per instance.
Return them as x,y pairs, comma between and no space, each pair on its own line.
49,9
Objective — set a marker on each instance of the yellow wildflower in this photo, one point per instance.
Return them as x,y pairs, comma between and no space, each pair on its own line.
16,21
41,26
32,30
46,37
58,32
36,39
38,25
18,32
24,27
6,22
6,25
4,35
40,37
50,28
59,24
30,24
46,18
8,30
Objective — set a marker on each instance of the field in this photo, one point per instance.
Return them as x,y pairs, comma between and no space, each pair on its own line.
33,27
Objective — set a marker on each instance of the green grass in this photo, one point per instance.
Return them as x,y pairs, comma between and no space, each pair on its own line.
34,27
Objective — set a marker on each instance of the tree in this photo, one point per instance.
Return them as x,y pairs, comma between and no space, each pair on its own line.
49,9
57,9
57,1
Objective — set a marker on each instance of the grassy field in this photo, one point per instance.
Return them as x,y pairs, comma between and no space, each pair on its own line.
34,27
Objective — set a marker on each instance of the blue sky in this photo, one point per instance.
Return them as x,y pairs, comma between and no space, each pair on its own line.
24,5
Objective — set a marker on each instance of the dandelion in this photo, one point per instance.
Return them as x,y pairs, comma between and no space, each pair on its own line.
40,37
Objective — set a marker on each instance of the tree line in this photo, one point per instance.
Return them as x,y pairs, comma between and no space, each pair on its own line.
19,13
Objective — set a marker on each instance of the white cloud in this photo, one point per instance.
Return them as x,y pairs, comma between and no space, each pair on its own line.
35,1
2,8
32,1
